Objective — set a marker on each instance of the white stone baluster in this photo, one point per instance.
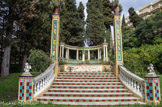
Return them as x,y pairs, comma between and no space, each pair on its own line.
131,81
44,80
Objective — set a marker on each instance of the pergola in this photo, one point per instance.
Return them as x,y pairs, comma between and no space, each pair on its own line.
99,48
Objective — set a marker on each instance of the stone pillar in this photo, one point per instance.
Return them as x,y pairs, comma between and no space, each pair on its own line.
55,36
63,51
104,52
83,56
89,55
118,42
152,89
66,53
25,90
77,55
60,52
98,54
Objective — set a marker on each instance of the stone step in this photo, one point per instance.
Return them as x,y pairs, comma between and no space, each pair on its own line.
90,83
86,80
88,90
97,103
54,94
85,73
88,87
88,99
86,76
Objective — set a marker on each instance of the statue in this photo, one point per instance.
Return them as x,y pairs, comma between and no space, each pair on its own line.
117,10
27,68
151,69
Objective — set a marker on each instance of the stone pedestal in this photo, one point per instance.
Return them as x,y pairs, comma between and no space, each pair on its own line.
25,89
152,89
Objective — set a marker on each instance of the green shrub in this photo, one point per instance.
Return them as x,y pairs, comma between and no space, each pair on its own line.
138,59
39,61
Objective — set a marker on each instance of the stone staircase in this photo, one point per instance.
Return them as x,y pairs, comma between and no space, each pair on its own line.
86,88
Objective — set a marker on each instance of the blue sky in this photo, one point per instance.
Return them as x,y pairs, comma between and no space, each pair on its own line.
137,4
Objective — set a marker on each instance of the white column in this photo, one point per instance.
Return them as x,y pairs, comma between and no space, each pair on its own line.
89,57
98,54
83,58
77,55
104,52
66,53
60,51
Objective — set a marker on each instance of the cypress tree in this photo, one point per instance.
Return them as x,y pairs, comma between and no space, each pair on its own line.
81,24
134,18
107,12
95,29
123,21
71,31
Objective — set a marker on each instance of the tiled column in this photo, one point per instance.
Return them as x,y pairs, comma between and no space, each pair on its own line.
152,89
25,90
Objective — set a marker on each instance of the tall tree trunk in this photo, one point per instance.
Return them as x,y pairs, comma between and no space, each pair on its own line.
6,62
24,61
7,50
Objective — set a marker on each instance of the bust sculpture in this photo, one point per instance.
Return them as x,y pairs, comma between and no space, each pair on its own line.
27,68
151,69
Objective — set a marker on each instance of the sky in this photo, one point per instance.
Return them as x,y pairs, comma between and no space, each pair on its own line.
136,4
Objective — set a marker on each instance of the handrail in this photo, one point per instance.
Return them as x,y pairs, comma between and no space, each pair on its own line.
132,81
44,80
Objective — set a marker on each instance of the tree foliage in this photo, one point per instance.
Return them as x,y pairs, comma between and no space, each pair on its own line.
107,12
149,31
95,29
72,23
134,18
138,59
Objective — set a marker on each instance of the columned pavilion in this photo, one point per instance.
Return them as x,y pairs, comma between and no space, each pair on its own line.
101,49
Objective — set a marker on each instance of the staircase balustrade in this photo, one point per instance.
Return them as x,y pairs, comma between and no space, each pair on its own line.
44,80
132,81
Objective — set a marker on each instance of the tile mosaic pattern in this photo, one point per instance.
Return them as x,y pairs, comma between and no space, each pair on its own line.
149,89
87,100
91,87
88,91
87,80
91,95
27,91
86,84
22,89
156,85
